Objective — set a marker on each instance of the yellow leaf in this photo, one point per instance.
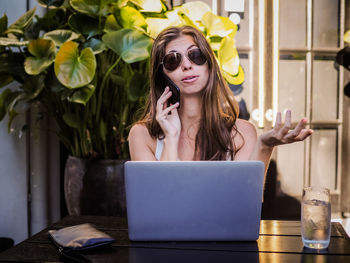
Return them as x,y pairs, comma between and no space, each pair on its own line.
228,56
218,26
237,79
156,25
131,17
347,37
149,5
195,10
215,45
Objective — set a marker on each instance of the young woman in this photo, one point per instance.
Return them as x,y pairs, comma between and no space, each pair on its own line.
204,125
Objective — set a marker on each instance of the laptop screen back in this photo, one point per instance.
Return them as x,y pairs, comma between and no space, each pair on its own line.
194,201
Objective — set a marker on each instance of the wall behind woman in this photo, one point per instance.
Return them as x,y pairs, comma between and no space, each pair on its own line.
29,164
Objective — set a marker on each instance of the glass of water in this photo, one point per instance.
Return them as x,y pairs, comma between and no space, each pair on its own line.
316,217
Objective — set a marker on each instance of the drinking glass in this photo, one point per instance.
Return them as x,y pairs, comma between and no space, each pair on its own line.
316,217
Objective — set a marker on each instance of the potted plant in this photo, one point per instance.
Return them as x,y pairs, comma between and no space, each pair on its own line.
86,63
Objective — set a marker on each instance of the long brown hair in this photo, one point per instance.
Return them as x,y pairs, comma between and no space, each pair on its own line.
214,139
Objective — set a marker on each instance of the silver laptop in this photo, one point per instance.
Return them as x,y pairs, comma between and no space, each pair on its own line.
194,201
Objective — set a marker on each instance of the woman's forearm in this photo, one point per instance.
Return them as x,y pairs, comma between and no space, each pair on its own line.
262,153
170,152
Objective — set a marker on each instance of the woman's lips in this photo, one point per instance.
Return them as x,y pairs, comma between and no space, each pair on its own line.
189,79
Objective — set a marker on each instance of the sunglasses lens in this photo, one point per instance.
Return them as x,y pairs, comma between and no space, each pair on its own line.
172,60
196,56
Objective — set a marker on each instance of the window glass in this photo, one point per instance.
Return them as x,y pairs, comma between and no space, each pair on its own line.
292,91
323,160
292,24
325,23
324,89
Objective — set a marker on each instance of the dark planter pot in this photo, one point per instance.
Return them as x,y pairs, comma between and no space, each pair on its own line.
94,187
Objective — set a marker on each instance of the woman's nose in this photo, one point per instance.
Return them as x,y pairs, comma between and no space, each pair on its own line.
186,63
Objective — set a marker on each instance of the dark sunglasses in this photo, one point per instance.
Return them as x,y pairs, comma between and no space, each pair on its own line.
172,60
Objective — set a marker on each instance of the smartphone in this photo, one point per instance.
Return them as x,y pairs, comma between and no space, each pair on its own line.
166,81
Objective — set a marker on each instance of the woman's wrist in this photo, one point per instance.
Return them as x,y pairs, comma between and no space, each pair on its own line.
171,141
264,147
170,149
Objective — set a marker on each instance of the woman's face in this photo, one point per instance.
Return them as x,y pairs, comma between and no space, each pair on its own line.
188,76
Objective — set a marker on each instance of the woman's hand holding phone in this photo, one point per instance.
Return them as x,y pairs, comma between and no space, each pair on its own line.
170,123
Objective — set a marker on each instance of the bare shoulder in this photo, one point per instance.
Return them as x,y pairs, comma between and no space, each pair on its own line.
139,130
139,133
141,144
246,128
245,139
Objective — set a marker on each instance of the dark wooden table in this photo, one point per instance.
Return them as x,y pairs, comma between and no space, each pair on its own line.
279,241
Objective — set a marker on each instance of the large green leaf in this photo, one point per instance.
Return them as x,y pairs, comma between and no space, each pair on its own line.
43,51
92,7
130,17
96,45
53,84
82,95
4,41
149,5
52,20
85,25
61,36
36,65
72,69
137,86
117,80
47,3
42,47
33,87
72,120
3,24
21,22
131,45
111,24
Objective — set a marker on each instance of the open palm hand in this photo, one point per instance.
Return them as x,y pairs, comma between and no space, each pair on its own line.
281,134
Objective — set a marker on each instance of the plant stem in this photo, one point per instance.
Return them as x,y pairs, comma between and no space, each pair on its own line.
102,88
76,144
